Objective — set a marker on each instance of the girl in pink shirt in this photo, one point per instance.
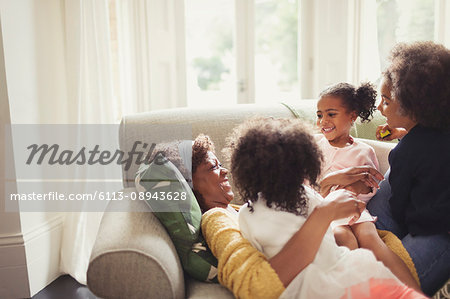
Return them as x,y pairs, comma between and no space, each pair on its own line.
337,109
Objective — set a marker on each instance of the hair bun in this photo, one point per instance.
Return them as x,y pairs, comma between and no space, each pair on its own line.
366,96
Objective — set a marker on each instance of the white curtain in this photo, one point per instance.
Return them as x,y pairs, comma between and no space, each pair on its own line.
109,60
134,53
150,35
369,61
91,101
88,60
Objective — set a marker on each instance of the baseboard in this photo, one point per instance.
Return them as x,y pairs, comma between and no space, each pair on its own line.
13,267
43,247
29,261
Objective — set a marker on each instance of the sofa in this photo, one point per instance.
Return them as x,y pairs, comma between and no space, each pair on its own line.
133,256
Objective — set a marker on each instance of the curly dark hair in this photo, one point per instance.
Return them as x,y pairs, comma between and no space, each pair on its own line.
202,145
274,157
361,100
418,76
170,151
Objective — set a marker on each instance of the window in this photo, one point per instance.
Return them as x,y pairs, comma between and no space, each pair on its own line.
403,21
265,42
210,52
172,53
276,51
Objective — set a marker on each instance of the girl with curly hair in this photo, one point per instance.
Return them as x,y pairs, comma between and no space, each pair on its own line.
337,109
273,163
414,200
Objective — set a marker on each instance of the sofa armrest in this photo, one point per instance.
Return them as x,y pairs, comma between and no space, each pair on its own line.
133,256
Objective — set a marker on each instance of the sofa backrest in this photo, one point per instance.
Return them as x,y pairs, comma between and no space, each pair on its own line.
217,122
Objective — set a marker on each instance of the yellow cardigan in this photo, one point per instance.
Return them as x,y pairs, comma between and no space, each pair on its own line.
244,270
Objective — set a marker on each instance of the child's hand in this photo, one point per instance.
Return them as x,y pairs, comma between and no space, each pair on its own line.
342,204
359,187
394,133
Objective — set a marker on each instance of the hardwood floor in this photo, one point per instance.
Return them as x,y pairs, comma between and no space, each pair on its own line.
65,287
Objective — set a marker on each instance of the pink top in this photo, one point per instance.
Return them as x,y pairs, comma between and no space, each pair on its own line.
355,154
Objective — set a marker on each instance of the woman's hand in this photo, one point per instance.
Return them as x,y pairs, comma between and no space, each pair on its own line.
396,133
347,177
342,204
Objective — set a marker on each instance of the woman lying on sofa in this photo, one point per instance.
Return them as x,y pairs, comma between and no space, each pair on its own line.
243,269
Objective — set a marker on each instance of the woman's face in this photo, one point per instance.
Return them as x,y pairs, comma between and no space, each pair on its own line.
211,181
334,121
390,108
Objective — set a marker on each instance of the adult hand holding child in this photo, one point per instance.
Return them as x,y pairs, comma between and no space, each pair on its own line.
358,179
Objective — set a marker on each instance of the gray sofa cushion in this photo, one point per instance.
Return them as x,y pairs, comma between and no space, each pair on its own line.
155,126
217,122
198,289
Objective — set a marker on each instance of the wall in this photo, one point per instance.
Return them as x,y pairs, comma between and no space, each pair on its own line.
33,34
13,270
33,44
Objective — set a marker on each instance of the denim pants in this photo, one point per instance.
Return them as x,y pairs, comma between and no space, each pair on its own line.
430,254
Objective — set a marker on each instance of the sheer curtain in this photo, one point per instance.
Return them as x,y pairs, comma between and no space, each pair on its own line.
368,64
91,101
133,53
116,52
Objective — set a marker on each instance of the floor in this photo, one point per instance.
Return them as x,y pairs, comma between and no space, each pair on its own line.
68,288
65,287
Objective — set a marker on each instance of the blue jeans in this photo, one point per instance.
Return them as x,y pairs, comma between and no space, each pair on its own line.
430,254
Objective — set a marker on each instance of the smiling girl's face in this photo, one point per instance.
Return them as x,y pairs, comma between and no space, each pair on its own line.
334,120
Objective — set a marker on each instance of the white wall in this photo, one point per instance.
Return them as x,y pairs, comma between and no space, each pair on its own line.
33,44
33,34
13,270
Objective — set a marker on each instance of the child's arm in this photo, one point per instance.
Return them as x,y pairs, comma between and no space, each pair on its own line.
366,157
301,249
348,176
